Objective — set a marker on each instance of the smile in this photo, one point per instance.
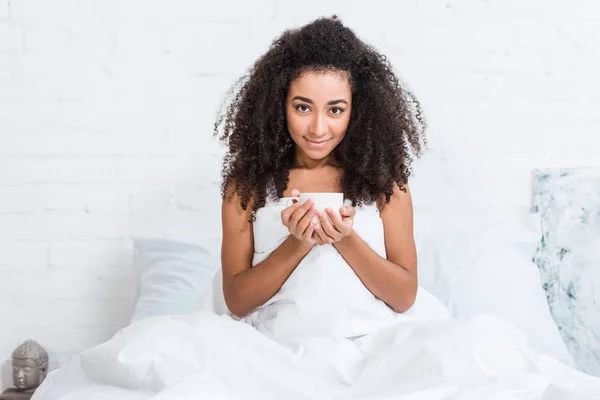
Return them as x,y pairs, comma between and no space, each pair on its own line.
318,144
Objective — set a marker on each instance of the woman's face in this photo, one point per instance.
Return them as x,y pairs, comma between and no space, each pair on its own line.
318,109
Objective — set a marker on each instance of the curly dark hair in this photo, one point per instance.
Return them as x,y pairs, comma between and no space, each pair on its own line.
385,132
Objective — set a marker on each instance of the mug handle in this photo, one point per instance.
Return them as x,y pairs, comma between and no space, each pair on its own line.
290,200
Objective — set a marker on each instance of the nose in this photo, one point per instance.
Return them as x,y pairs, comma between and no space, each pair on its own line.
20,374
318,125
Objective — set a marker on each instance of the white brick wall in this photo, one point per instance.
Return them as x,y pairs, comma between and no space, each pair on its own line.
106,112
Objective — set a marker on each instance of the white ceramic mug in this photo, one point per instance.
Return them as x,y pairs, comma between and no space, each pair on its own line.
322,201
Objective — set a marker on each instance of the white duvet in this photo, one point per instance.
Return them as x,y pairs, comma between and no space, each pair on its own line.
323,336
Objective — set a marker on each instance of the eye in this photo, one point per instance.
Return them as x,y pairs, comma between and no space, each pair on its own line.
338,109
302,106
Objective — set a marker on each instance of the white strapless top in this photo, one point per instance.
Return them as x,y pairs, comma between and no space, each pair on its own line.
323,296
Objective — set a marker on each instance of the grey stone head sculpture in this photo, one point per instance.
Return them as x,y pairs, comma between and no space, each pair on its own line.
29,366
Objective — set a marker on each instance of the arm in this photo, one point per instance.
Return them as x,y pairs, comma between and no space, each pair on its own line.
246,287
393,280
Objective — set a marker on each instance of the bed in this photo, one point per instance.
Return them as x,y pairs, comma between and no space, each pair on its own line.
483,329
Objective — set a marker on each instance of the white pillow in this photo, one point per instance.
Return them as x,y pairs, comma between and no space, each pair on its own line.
172,275
213,299
485,265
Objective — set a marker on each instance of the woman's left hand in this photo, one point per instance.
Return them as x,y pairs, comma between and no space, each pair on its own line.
341,225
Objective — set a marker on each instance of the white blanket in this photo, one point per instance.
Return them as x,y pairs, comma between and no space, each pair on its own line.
323,336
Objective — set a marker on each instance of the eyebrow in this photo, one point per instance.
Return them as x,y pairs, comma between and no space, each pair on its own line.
332,102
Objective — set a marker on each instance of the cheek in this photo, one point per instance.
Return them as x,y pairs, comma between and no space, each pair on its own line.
295,126
341,127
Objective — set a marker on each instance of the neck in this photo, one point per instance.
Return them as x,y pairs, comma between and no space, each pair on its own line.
304,162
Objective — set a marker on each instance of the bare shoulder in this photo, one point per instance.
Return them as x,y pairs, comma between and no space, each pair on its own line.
238,239
232,206
401,199
397,218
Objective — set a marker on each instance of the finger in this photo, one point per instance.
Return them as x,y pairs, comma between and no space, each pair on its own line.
307,235
287,212
327,227
335,218
300,211
317,237
295,193
318,232
307,219
323,238
348,211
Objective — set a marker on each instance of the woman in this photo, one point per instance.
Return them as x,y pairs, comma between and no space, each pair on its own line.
321,111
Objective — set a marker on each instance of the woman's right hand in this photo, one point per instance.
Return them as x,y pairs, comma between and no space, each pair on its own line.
298,218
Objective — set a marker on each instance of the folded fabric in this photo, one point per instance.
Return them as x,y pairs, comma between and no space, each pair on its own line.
206,356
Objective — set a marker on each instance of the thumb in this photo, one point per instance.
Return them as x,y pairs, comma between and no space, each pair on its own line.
295,193
348,211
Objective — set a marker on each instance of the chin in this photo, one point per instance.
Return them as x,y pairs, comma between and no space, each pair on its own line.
317,155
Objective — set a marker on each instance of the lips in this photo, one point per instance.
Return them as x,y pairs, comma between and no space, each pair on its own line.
317,143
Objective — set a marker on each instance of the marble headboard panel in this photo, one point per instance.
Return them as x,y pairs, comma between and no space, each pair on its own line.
568,256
